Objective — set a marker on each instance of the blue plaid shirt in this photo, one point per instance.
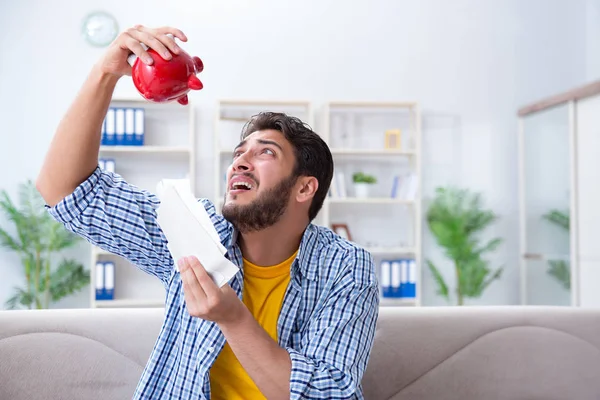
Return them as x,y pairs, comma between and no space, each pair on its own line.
327,321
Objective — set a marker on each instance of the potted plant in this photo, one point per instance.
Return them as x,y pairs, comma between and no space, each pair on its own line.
362,183
38,239
560,269
455,218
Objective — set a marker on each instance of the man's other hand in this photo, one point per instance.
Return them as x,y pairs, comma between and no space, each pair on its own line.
203,298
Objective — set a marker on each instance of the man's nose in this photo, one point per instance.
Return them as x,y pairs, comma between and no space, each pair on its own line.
241,163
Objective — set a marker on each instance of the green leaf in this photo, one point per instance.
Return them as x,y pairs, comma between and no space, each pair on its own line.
439,279
38,239
19,298
560,270
455,218
68,278
8,242
559,218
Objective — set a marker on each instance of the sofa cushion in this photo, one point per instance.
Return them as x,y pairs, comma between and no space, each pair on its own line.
485,353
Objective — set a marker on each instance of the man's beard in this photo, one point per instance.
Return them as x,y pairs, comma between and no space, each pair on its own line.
262,212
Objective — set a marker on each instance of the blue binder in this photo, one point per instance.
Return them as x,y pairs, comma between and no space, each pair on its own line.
139,127
105,280
129,126
386,278
119,126
109,129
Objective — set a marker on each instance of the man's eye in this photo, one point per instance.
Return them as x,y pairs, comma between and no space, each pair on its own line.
269,151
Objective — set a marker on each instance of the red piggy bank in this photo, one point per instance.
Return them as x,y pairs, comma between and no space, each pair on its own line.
167,80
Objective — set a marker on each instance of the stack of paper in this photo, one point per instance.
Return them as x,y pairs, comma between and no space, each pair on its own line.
189,230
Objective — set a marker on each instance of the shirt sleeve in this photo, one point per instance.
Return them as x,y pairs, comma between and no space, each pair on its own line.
337,347
118,217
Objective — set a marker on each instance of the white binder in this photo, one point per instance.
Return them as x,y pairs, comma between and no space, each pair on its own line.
110,127
129,126
120,126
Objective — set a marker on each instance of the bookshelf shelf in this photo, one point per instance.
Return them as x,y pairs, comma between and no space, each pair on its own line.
168,152
381,139
387,222
392,250
371,152
145,149
397,302
129,303
371,200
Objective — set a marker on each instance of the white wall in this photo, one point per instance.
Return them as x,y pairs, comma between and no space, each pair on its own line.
592,40
470,64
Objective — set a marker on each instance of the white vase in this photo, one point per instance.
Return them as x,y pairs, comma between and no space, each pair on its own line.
361,190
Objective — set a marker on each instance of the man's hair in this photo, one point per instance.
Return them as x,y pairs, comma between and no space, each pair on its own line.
313,157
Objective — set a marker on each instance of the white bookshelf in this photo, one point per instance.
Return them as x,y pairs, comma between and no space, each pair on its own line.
388,227
396,220
169,151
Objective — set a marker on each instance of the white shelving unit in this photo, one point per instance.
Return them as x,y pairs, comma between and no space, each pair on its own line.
388,227
363,147
168,152
231,116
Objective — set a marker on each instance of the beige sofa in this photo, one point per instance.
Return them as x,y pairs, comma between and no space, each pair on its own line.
425,353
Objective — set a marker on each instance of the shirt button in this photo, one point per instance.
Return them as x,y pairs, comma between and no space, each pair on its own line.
211,349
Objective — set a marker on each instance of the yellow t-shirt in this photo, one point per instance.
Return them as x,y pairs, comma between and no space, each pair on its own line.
264,288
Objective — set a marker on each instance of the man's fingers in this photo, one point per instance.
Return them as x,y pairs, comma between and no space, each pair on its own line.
169,42
136,48
204,278
148,37
189,297
191,284
173,31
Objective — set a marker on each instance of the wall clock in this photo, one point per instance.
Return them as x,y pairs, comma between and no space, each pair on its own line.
100,28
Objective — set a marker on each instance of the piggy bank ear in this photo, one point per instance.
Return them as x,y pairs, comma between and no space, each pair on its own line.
194,83
198,64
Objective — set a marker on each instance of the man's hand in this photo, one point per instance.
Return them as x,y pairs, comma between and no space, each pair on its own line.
268,365
204,299
114,61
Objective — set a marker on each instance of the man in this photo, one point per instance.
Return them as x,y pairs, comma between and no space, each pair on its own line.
298,319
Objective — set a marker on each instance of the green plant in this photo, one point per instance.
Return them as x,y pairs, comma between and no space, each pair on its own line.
455,218
38,239
559,269
360,177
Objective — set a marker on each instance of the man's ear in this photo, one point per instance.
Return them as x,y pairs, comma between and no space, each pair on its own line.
307,188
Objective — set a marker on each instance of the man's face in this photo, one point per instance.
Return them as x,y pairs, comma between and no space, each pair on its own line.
259,181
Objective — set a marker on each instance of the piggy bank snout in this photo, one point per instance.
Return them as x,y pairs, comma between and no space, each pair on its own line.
198,64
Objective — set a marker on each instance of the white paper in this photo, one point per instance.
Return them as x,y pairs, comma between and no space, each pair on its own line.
189,230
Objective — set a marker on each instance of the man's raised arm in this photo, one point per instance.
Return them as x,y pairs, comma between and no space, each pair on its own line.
73,153
97,205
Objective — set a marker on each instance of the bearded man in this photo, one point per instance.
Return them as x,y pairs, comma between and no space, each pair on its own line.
297,320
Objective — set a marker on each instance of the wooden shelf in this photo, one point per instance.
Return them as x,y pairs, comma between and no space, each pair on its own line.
145,149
